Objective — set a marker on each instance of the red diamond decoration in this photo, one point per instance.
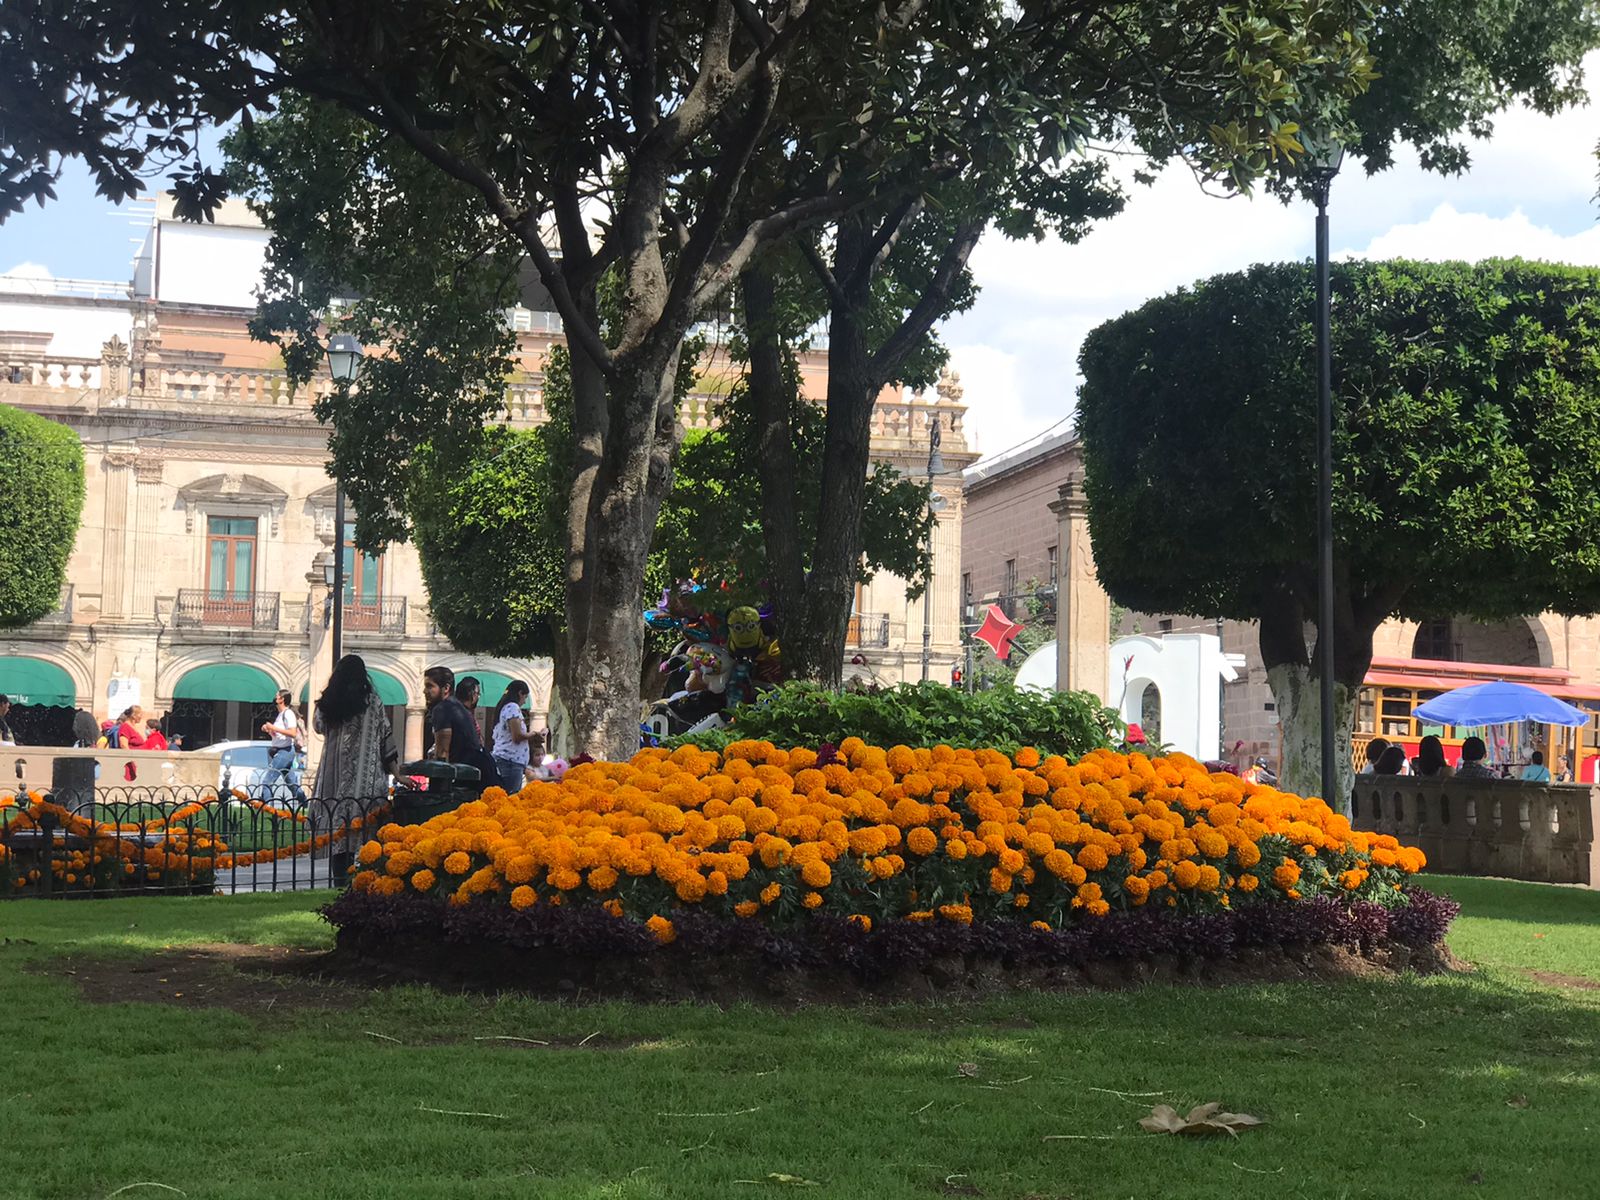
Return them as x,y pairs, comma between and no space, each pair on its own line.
997,631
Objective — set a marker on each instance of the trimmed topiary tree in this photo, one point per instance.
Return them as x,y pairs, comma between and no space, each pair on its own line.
41,503
1466,459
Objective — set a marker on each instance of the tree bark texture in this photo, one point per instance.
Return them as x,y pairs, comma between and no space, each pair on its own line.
1298,695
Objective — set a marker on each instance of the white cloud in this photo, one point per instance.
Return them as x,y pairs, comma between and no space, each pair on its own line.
1449,234
30,270
990,390
1529,194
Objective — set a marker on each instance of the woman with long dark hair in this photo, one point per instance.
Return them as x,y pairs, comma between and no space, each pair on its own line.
513,740
358,755
1430,762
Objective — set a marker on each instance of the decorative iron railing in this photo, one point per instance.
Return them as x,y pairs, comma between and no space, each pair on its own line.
203,608
867,630
123,841
382,614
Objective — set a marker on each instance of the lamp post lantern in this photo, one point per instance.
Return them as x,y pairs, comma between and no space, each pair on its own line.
1325,165
344,364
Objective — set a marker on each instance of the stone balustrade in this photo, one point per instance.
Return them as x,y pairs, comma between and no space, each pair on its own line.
1534,831
56,373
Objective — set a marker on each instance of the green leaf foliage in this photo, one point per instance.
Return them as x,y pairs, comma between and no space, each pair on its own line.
41,497
923,714
1467,443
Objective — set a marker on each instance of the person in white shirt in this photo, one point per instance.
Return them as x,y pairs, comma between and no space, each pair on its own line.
513,740
283,733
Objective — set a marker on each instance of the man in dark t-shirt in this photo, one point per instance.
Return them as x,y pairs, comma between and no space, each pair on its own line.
455,733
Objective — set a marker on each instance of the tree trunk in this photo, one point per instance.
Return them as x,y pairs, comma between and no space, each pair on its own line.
607,553
846,455
1297,693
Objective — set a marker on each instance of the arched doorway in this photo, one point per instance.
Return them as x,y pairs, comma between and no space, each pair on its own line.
221,702
42,697
1510,643
1148,706
390,690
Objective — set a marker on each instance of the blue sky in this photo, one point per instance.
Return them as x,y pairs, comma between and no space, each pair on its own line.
1530,193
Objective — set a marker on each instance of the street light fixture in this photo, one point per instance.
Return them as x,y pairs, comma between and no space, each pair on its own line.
344,364
1325,162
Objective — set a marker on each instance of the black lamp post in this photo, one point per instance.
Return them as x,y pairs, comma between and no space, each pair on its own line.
935,504
1324,166
344,364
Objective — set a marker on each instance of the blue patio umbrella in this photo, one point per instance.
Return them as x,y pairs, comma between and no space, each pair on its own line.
1500,703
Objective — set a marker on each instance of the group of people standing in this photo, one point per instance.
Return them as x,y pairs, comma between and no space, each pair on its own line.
456,738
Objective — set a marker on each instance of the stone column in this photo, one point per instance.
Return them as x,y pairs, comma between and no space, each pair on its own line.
147,472
1083,610
116,525
416,719
319,657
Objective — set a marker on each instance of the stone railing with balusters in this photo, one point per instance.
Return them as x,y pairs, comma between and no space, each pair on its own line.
55,373
210,385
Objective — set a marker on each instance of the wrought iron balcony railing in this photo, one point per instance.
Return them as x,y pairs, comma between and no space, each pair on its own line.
381,614
867,630
204,608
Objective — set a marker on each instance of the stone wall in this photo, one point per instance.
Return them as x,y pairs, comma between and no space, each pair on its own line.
1539,832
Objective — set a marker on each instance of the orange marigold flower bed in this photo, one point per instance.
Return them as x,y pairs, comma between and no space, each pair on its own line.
928,834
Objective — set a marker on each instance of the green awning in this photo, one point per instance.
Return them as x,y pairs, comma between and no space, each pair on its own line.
494,683
226,681
34,681
390,690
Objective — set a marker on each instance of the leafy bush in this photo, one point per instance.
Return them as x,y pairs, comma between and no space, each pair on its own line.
923,715
41,495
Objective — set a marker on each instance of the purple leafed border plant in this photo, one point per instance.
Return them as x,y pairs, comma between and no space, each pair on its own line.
587,931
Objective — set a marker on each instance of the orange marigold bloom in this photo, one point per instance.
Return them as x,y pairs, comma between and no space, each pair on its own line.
1210,878
1027,757
959,913
523,897
1248,883
922,840
369,853
602,878
1248,854
423,880
1045,925
999,881
1092,858
1286,876
613,906
861,921
746,908
812,900
662,928
816,874
955,849
1186,874
457,864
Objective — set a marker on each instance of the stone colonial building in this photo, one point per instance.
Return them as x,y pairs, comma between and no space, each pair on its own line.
198,585
1026,519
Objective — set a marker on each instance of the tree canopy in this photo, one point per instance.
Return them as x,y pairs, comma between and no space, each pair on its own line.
635,142
1466,449
41,495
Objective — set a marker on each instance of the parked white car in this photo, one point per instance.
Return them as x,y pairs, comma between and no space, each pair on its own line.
244,766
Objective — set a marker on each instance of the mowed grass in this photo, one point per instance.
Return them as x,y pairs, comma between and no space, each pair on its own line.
1485,1085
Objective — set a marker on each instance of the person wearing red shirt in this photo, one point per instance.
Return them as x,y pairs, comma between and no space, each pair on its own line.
154,739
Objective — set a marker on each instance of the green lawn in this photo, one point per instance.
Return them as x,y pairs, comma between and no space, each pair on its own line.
1476,1086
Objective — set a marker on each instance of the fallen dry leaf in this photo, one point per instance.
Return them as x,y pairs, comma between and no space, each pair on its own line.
1202,1119
788,1180
1517,1102
967,1070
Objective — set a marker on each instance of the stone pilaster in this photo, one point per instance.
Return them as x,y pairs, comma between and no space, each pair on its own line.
148,469
117,527
1083,610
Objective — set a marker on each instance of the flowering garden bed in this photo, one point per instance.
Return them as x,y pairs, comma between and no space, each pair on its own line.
878,868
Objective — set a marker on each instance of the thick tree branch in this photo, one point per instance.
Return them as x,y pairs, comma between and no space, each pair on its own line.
931,304
524,224
824,273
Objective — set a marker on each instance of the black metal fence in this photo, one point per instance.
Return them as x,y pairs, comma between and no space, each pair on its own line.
179,841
